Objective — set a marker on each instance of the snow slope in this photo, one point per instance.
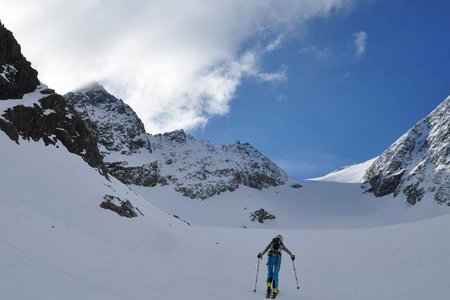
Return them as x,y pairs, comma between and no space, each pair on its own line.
56,242
350,174
315,205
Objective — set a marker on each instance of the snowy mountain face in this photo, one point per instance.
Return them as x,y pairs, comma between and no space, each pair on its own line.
418,163
31,111
113,123
197,169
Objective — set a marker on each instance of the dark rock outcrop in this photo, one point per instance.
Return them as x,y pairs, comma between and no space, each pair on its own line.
123,208
145,175
184,221
17,77
52,121
296,186
261,215
385,185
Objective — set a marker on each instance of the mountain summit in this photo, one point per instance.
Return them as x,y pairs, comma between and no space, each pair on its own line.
418,163
197,169
114,124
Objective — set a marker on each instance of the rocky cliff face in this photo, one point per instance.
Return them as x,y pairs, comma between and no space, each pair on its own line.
112,122
31,111
197,169
17,77
418,163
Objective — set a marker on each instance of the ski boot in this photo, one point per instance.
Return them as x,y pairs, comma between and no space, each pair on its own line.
275,292
269,288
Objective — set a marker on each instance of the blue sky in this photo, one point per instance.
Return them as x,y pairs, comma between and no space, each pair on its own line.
337,107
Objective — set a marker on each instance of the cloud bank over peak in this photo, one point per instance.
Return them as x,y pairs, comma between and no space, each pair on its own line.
177,63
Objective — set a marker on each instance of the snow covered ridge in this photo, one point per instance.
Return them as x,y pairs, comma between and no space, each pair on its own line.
197,169
45,116
349,174
418,163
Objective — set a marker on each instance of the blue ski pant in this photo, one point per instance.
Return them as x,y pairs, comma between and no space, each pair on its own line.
273,268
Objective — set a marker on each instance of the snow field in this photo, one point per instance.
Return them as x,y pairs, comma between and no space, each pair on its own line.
56,242
406,261
394,262
317,205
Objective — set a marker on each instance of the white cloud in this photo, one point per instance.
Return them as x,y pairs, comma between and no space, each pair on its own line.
321,53
177,63
308,50
275,44
360,40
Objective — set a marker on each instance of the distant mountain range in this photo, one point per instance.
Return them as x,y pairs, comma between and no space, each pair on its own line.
197,169
110,137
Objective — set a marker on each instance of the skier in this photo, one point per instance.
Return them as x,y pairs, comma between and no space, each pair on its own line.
275,249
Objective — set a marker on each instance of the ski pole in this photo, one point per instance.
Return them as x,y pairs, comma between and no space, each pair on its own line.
257,272
295,272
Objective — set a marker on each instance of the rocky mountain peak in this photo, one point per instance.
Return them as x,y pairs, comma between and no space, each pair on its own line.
418,163
113,123
177,136
197,169
243,148
91,87
17,77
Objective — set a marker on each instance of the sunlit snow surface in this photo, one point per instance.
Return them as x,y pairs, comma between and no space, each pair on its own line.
57,243
350,174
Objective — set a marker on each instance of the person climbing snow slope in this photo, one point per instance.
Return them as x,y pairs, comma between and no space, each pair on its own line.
275,248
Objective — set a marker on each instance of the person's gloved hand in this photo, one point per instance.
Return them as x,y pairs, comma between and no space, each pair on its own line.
259,255
293,257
